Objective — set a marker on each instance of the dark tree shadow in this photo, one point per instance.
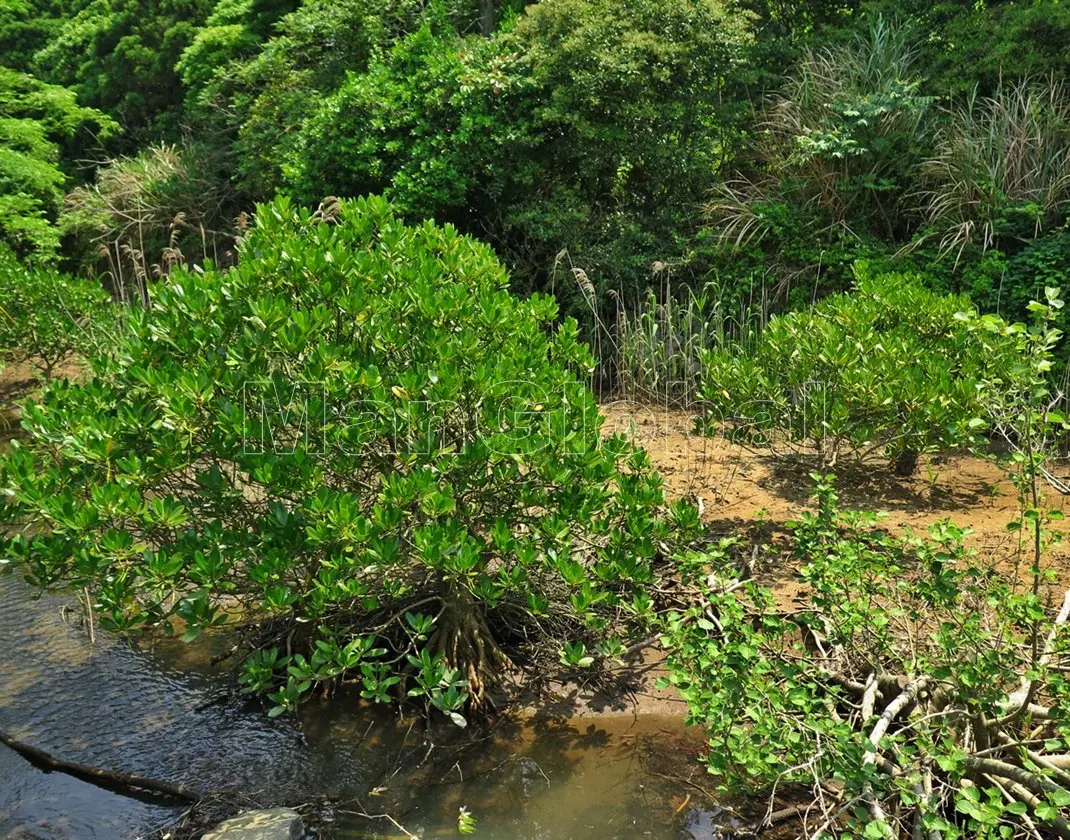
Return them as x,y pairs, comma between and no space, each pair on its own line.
871,485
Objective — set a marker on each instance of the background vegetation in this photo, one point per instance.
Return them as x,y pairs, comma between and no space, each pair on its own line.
742,143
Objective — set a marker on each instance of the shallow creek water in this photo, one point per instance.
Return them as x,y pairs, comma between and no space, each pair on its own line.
109,704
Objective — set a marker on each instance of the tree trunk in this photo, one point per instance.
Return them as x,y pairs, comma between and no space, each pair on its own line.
487,17
905,462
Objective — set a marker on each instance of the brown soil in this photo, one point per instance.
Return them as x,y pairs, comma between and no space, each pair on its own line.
16,381
733,484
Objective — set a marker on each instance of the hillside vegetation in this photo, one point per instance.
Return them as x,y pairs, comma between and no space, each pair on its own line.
313,298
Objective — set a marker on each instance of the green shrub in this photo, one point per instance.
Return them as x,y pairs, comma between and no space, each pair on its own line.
355,440
234,29
424,127
920,692
593,127
886,366
631,112
968,45
267,98
1006,283
120,55
47,317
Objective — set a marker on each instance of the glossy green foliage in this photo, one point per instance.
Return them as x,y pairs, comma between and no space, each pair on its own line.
120,56
48,317
356,422
885,366
916,610
36,120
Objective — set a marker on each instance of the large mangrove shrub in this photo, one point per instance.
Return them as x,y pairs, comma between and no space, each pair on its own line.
354,441
887,366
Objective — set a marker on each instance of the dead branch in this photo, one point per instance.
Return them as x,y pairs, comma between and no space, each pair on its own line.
127,782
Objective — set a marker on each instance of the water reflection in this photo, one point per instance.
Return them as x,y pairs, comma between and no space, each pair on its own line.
148,712
109,705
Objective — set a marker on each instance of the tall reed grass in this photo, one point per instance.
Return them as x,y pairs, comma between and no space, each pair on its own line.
649,349
998,157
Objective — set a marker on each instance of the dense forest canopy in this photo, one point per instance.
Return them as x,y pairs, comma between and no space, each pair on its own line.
835,228
754,144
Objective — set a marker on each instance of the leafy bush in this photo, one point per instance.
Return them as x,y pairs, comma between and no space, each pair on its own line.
46,317
25,27
35,119
968,45
235,29
354,440
629,117
1006,283
592,127
885,366
120,56
911,697
266,99
422,127
987,44
920,690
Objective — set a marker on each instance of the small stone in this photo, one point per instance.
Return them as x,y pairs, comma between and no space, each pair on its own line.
269,824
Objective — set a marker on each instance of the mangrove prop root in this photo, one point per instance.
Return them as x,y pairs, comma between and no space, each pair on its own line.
99,776
469,645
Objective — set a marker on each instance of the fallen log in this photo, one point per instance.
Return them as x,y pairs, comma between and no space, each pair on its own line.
123,782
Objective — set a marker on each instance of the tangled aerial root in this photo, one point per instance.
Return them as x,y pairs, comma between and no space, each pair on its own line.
468,644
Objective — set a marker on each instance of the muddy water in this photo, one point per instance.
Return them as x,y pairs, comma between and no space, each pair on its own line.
150,712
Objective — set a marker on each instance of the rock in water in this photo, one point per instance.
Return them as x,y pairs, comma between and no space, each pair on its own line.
269,824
